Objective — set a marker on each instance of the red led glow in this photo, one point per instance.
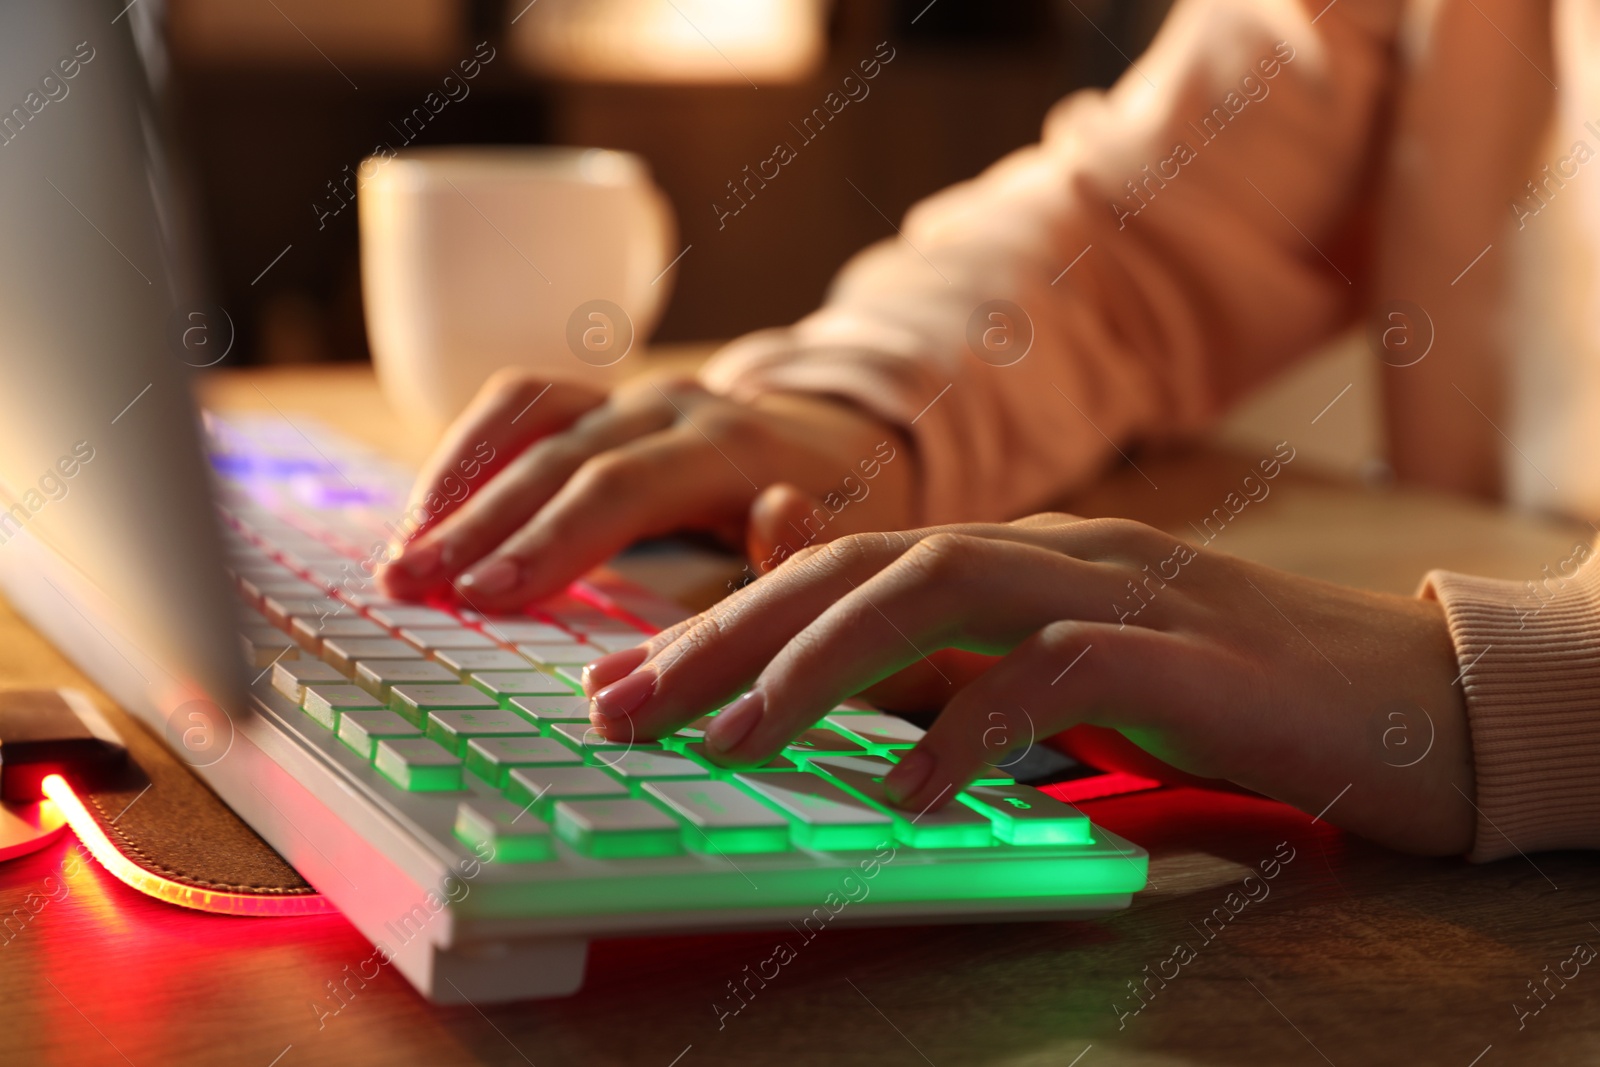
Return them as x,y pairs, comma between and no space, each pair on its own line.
1112,784
185,896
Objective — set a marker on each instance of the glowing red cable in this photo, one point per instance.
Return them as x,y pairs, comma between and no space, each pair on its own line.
185,896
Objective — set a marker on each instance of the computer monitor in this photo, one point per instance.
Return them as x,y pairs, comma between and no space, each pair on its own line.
108,542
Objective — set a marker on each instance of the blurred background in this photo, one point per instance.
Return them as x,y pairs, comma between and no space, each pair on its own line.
273,98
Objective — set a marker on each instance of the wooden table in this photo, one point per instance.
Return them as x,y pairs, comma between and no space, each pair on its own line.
1356,956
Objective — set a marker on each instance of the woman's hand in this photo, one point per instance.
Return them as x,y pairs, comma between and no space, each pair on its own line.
1308,692
537,483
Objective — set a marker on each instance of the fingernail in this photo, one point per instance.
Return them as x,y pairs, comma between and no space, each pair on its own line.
495,577
736,722
608,668
420,561
908,776
624,697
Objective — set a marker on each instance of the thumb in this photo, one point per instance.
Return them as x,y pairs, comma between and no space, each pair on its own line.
783,520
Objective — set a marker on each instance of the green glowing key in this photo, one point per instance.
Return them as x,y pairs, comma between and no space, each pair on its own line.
590,741
776,763
481,659
325,703
453,729
520,683
954,826
492,758
378,676
345,652
417,765
362,730
635,764
544,785
721,817
823,741
291,676
885,731
823,814
1024,816
612,829
566,708
414,700
511,833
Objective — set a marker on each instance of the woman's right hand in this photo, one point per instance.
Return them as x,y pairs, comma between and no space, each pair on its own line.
538,482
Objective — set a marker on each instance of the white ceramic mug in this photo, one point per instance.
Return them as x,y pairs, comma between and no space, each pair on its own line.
473,259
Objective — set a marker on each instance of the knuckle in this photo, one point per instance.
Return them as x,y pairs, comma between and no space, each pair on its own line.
606,475
731,425
1122,530
943,556
853,551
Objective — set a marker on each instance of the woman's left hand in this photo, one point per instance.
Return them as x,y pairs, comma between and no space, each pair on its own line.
1296,688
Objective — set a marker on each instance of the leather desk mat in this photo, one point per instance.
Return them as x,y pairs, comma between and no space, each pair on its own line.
157,812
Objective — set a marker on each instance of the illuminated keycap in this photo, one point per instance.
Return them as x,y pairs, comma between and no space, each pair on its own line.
516,631
884,730
412,615
291,676
418,765
543,785
820,739
280,609
511,833
492,758
824,815
311,632
721,817
527,682
362,730
378,676
264,645
1025,816
478,660
325,703
615,641
566,708
414,700
343,652
954,826
653,764
776,763
558,654
612,829
590,741
453,637
453,729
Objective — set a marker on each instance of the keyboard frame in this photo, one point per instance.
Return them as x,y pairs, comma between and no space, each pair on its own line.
385,867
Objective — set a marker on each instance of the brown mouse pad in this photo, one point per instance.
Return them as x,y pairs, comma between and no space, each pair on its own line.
165,819
157,813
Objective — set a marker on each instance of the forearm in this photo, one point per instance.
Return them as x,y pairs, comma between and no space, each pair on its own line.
1152,301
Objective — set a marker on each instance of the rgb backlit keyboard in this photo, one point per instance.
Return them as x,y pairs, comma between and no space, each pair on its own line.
471,727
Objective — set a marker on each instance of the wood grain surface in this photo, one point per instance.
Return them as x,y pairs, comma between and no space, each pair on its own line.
1349,955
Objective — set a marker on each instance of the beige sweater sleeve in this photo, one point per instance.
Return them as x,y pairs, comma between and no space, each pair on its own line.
1530,667
1172,243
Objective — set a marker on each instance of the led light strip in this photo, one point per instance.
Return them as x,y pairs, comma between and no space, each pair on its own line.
165,889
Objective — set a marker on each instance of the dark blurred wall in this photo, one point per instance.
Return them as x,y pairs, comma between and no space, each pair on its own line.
969,81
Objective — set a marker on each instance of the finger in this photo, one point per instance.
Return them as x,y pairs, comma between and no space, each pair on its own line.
510,498
981,594
1066,674
509,412
711,658
781,524
926,684
660,483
